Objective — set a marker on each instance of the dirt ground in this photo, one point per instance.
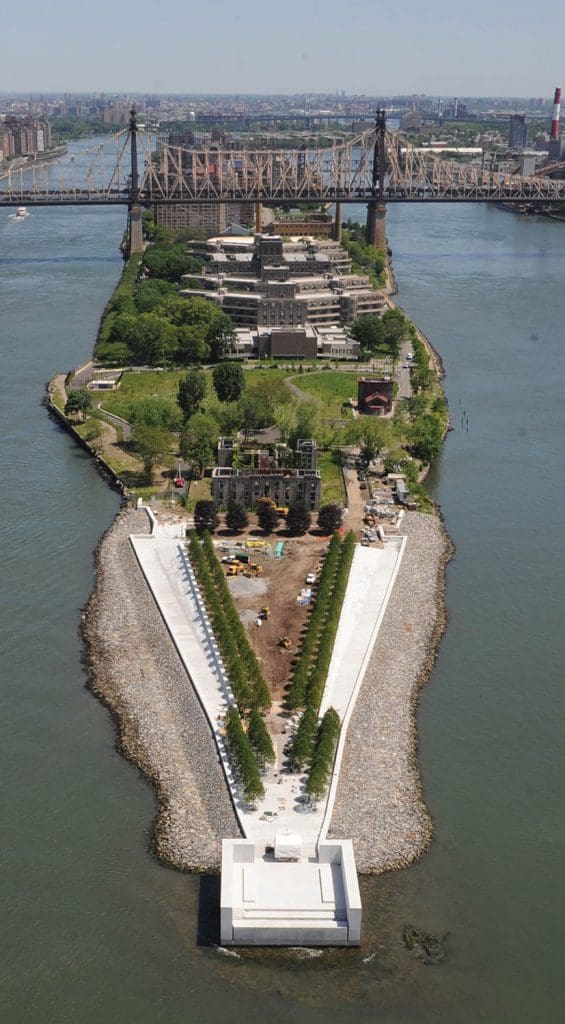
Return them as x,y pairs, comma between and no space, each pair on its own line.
278,589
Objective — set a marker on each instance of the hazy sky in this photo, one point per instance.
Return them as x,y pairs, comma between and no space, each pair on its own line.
441,47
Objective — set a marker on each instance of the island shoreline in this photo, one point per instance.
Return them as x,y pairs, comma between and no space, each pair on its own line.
120,587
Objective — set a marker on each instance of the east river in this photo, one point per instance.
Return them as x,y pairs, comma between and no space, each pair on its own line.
93,928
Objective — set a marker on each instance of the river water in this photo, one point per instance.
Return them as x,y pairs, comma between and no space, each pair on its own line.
93,928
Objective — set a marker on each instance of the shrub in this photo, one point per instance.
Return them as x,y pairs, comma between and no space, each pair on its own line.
303,742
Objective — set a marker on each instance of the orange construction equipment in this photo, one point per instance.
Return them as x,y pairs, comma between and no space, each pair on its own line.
285,642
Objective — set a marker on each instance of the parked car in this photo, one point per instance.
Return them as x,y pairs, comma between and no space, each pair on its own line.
310,578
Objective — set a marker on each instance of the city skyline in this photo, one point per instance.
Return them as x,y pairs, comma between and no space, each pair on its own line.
228,49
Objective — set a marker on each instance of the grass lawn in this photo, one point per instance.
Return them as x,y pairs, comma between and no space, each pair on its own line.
331,388
332,479
142,385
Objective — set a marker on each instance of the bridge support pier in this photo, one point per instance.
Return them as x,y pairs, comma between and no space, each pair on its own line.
258,218
336,235
135,230
375,231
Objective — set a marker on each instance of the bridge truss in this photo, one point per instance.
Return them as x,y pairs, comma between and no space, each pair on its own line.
135,168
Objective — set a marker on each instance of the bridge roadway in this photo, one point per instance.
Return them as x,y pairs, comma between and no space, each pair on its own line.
359,196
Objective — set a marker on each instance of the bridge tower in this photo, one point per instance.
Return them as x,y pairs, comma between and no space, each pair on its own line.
375,230
135,228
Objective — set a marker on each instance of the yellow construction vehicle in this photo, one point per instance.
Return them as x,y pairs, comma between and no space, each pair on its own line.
265,612
253,569
235,569
285,642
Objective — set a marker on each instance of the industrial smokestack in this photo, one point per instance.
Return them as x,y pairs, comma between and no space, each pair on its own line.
556,114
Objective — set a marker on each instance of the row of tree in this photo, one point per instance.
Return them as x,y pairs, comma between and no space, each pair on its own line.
243,756
323,754
247,681
311,669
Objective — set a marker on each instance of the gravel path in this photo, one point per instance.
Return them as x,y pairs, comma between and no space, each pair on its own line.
379,802
136,671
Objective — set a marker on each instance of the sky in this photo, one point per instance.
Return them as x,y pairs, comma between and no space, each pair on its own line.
438,47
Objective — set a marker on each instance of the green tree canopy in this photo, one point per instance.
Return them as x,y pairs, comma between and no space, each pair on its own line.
425,437
330,517
298,519
205,516
155,412
153,340
170,262
236,516
229,381
152,444
371,433
153,296
199,440
191,391
267,515
79,401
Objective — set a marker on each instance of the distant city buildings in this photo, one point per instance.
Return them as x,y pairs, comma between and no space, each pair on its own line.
23,136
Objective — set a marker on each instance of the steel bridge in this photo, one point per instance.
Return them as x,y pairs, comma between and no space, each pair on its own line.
376,167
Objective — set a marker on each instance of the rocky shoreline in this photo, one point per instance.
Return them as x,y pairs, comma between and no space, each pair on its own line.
135,670
379,801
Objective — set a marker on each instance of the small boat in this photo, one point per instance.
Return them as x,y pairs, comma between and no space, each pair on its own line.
20,214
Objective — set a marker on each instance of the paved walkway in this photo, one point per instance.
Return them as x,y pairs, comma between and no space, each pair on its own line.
168,572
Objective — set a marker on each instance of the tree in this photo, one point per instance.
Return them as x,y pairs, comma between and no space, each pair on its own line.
330,517
267,515
199,439
221,336
191,391
236,516
368,331
154,412
371,433
229,381
259,738
153,296
151,443
170,262
285,419
152,339
298,519
205,516
78,402
426,437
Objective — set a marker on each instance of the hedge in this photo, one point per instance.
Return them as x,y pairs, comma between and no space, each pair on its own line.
244,757
318,675
323,755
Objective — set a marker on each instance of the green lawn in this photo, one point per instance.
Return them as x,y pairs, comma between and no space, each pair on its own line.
332,479
332,388
134,386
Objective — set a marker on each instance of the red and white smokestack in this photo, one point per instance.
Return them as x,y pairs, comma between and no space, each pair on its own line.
556,114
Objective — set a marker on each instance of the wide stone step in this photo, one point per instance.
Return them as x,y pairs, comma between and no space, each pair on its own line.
291,914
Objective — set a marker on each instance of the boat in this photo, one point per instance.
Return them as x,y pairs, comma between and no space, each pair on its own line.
20,214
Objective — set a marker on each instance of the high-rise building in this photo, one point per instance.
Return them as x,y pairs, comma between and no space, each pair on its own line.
518,132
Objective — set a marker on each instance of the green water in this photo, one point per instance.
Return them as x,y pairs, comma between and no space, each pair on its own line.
93,929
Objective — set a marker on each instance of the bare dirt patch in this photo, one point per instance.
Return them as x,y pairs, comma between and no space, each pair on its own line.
278,589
